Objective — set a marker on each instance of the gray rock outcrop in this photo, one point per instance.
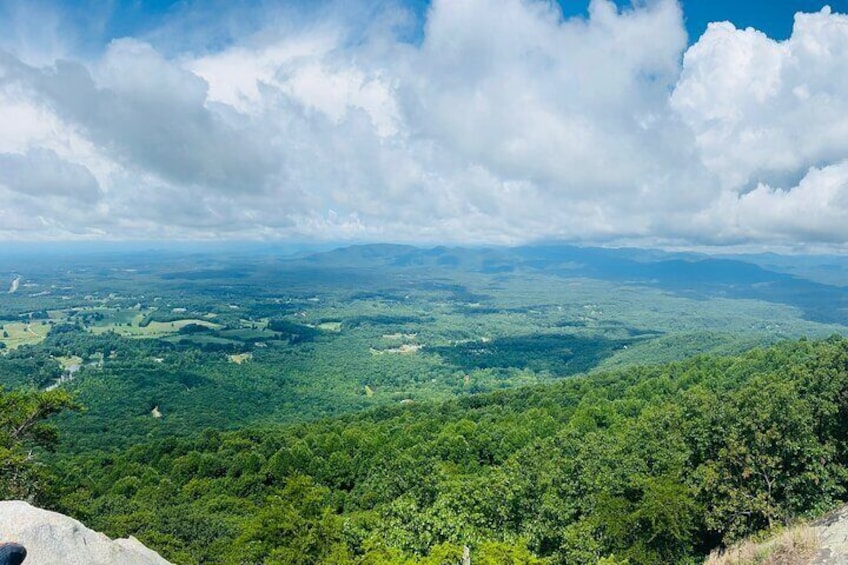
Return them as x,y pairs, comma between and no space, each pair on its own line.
55,539
832,531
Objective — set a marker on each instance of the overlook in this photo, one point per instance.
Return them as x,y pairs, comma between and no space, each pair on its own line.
423,282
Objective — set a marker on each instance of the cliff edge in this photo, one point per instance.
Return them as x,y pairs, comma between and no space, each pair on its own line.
55,539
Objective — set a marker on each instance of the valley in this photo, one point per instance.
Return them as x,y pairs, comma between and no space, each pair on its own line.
220,341
533,404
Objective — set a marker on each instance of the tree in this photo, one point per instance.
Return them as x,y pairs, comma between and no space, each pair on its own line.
23,428
771,466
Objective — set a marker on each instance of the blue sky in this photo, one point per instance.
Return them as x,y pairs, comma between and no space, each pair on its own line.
458,121
97,22
773,17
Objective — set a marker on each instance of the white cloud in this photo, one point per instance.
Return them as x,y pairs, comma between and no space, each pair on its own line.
767,110
771,120
499,125
813,211
43,172
235,76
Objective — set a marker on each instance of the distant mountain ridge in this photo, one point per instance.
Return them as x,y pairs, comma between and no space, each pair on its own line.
690,274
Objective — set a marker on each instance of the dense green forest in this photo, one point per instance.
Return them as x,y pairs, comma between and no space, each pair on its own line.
654,464
389,404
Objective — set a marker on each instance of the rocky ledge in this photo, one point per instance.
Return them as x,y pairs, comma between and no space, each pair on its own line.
55,539
832,531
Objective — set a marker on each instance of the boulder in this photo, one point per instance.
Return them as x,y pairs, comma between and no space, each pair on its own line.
55,539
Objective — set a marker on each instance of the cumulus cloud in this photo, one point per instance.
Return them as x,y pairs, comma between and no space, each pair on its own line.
815,209
42,172
763,110
770,119
151,114
495,125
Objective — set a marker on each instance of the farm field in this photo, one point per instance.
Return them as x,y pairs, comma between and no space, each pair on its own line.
16,334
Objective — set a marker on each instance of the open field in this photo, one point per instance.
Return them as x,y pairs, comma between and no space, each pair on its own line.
69,361
16,334
153,329
239,358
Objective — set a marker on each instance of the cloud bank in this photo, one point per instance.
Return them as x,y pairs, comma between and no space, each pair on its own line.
497,126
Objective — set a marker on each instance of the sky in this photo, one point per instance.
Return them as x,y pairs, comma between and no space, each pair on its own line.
694,124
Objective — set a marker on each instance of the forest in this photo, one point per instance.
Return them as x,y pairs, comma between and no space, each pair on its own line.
653,464
384,404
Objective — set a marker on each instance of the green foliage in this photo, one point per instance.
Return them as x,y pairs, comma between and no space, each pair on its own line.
360,328
771,460
22,428
650,465
559,353
293,332
28,367
385,403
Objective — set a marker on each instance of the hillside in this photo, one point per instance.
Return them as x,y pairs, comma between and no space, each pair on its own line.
654,464
393,404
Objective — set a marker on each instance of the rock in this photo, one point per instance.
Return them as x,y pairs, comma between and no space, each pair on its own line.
832,531
55,539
